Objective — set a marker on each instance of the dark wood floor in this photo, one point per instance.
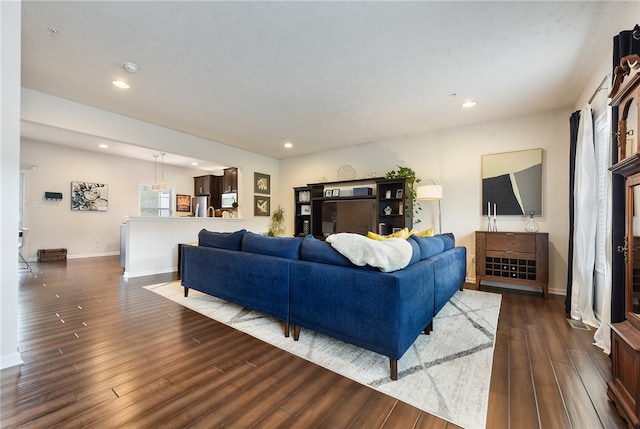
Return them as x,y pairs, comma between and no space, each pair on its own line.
101,351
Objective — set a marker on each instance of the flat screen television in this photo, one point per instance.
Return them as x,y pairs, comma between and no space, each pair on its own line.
357,216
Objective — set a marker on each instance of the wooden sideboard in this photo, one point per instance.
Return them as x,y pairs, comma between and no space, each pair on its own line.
513,257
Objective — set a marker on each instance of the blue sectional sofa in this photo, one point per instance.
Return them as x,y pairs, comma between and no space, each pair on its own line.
308,284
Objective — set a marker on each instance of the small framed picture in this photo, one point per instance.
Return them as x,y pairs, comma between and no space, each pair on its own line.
183,203
305,210
387,195
327,193
261,183
261,205
396,229
335,193
399,193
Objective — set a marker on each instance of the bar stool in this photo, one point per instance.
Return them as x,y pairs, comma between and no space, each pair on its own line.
21,236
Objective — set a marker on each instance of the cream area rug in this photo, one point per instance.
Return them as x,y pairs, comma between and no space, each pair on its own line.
446,373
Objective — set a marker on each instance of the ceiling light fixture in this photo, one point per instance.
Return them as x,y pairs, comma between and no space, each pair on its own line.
468,104
130,67
158,186
121,84
288,145
194,163
103,146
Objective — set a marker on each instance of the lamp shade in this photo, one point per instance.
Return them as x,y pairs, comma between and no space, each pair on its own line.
429,192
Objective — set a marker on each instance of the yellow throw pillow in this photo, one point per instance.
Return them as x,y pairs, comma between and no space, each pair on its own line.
374,236
403,233
426,233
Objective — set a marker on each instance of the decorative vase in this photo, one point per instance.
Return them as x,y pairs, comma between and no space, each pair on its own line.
387,210
531,225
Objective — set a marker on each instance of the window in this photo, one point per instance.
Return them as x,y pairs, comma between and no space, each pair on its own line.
155,203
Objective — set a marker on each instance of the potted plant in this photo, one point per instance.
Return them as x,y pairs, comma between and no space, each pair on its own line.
410,175
276,227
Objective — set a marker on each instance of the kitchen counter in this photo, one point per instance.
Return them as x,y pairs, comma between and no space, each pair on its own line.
151,243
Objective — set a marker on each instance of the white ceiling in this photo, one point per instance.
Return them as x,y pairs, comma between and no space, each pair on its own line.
322,75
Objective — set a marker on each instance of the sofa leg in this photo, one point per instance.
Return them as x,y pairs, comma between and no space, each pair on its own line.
186,292
296,332
286,329
393,366
429,328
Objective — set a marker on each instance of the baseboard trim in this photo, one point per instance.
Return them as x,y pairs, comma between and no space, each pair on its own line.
12,359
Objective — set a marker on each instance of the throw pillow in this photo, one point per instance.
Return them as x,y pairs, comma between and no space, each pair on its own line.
449,240
374,236
221,240
429,246
403,233
425,233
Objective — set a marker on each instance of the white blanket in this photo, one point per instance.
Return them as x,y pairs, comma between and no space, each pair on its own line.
389,255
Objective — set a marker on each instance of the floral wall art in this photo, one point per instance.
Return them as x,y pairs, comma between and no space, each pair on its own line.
88,196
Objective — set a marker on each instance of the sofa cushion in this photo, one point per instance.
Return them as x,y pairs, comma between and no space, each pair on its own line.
221,240
314,250
415,256
429,246
449,241
283,247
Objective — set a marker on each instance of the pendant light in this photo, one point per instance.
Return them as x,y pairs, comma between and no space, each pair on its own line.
162,185
158,186
155,186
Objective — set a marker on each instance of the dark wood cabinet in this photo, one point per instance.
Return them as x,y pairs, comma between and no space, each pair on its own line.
302,211
513,257
362,205
211,186
624,388
230,180
394,206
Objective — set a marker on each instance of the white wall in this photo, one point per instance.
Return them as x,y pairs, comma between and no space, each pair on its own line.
452,158
9,171
46,109
52,224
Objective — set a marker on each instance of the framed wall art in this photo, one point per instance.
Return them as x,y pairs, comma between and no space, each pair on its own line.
512,182
261,183
89,196
261,205
183,203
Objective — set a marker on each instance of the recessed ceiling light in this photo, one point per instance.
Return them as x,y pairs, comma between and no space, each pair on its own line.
469,103
121,84
288,145
194,163
103,146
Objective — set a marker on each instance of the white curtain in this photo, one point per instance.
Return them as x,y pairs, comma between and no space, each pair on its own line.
586,205
602,125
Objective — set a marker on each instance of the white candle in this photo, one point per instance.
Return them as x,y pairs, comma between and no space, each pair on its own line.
495,211
489,208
